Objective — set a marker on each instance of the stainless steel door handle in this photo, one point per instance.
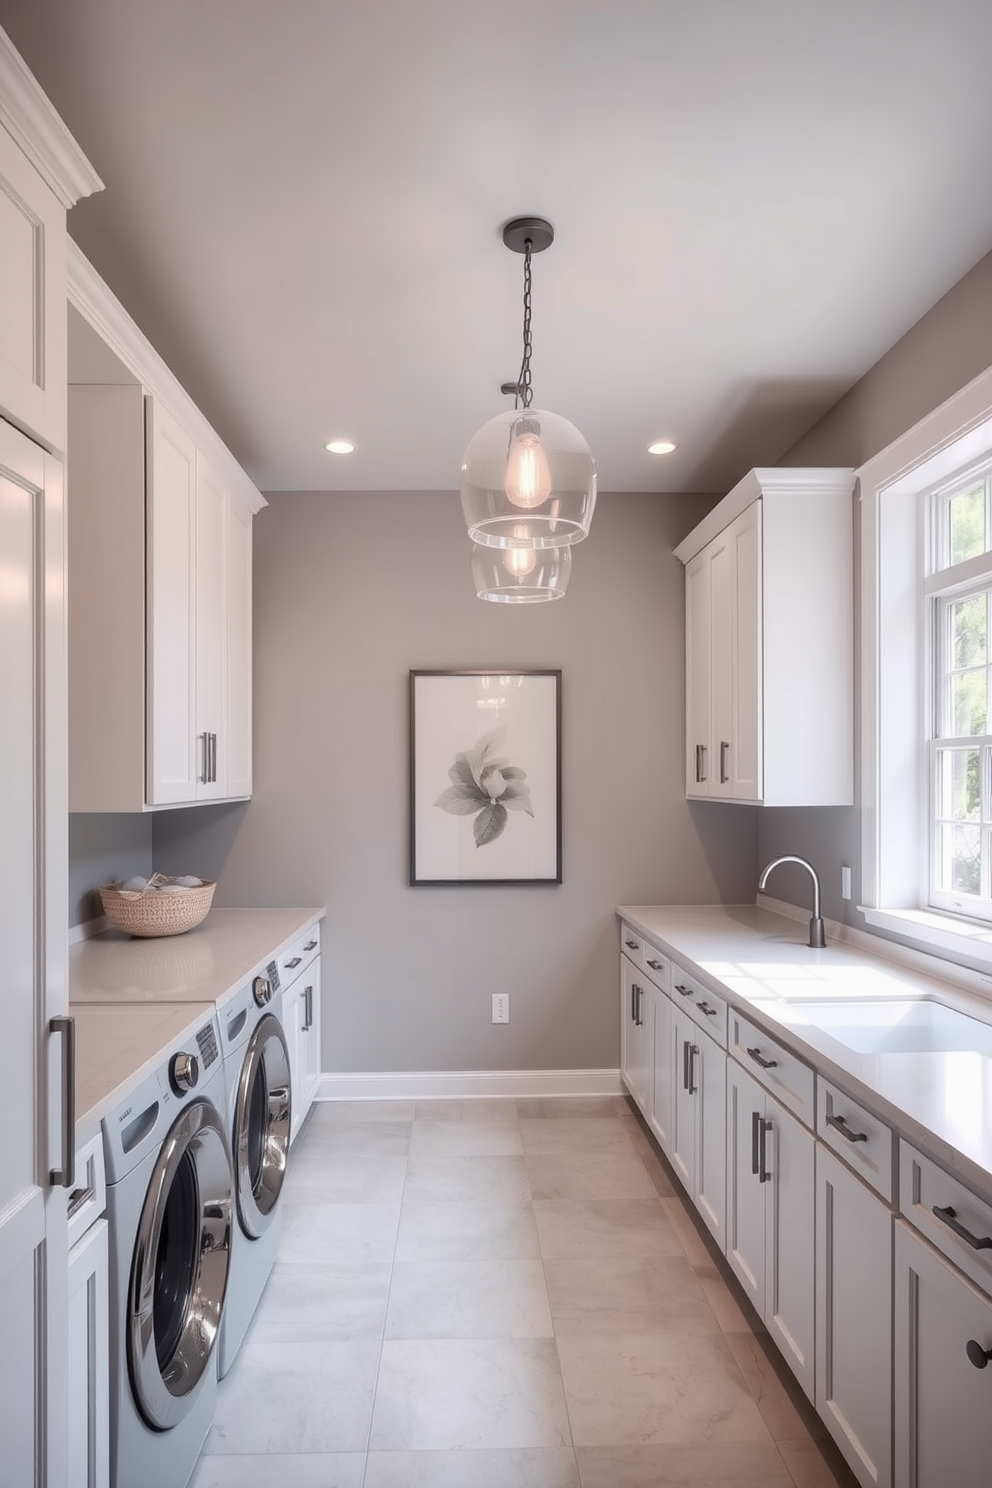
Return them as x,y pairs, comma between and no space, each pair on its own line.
65,1176
724,750
308,1005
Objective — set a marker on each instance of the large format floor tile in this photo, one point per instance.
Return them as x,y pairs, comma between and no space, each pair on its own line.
503,1294
469,1393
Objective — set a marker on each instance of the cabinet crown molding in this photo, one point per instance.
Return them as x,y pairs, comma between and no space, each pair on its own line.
33,123
777,480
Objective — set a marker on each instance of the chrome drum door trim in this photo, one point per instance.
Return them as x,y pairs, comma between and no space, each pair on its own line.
260,1170
162,1391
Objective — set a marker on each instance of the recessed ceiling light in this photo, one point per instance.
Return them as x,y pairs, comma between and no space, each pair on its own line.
662,447
340,446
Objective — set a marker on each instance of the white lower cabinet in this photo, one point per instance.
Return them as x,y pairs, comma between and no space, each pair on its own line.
638,998
301,1025
770,1209
854,1320
89,1380
698,1152
943,1386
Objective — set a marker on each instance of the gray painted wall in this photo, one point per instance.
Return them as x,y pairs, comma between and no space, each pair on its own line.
946,349
351,592
102,849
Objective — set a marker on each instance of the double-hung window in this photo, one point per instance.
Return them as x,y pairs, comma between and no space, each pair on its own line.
926,681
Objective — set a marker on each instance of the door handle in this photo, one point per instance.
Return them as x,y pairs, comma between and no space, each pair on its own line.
700,763
949,1218
65,1176
763,1173
308,1005
765,1063
724,748
755,1142
839,1124
693,1049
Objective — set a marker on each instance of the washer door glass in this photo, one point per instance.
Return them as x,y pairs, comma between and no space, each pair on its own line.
261,1127
179,1271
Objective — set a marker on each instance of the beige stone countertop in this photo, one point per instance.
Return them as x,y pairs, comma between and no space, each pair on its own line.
939,1098
116,1047
205,965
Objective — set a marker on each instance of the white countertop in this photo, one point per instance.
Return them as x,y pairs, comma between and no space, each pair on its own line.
116,1047
132,999
941,1101
207,964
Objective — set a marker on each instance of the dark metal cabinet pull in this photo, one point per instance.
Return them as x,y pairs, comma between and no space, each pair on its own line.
632,945
310,945
949,1217
692,1087
755,1142
700,763
763,1173
633,1003
295,962
724,748
765,1063
657,965
65,1176
308,1004
683,990
704,1007
685,1064
637,1006
839,1124
976,1354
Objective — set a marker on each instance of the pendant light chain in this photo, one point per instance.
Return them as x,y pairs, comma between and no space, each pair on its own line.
524,390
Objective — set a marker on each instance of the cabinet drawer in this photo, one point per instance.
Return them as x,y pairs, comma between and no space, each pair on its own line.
295,959
89,1197
962,1230
774,1066
653,963
699,1004
864,1141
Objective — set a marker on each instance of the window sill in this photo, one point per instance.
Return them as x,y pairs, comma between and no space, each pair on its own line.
966,940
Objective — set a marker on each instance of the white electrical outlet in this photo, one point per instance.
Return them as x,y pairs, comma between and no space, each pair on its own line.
845,883
501,1007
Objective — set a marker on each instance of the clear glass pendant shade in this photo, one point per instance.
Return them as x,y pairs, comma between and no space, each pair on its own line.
521,575
528,480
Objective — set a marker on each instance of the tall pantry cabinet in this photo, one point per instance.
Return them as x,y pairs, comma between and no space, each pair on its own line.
42,173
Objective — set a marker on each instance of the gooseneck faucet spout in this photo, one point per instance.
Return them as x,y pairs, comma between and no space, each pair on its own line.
816,936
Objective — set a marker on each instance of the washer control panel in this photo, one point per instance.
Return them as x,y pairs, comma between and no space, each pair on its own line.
184,1072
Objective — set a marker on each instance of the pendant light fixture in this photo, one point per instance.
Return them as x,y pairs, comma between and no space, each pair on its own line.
528,478
521,575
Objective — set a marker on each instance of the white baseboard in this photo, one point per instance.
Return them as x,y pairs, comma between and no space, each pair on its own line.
468,1084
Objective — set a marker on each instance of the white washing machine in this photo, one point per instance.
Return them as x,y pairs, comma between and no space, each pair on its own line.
170,1206
259,1098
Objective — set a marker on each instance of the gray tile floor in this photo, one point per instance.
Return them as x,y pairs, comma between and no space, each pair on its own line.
502,1294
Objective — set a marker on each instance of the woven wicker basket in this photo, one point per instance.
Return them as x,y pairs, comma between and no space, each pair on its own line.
156,913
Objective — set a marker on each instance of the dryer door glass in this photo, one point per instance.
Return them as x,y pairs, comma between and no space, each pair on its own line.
261,1127
179,1269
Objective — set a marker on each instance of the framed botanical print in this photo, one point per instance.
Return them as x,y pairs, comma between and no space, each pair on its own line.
485,777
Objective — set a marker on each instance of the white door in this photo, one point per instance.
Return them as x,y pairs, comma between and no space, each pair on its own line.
684,1050
745,1189
722,610
745,770
708,1070
790,1272
210,724
697,674
33,920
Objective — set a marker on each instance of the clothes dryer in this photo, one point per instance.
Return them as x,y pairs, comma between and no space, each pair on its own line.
259,1100
170,1202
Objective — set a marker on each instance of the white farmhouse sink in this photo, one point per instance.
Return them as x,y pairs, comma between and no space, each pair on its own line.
890,1027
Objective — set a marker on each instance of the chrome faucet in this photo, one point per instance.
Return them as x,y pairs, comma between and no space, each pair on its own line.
816,937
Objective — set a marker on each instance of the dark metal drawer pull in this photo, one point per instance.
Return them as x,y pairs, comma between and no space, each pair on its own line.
632,945
765,1063
657,965
683,990
637,1007
976,1354
839,1124
949,1217
295,962
310,945
704,1007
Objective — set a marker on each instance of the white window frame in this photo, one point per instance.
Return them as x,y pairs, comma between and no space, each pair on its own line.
895,684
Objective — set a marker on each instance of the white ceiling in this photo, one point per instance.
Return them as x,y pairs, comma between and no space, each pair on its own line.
753,199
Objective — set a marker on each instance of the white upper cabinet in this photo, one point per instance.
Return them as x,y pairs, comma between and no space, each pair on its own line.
160,543
770,642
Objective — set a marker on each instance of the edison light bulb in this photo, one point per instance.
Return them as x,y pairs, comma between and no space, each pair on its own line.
519,561
528,475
